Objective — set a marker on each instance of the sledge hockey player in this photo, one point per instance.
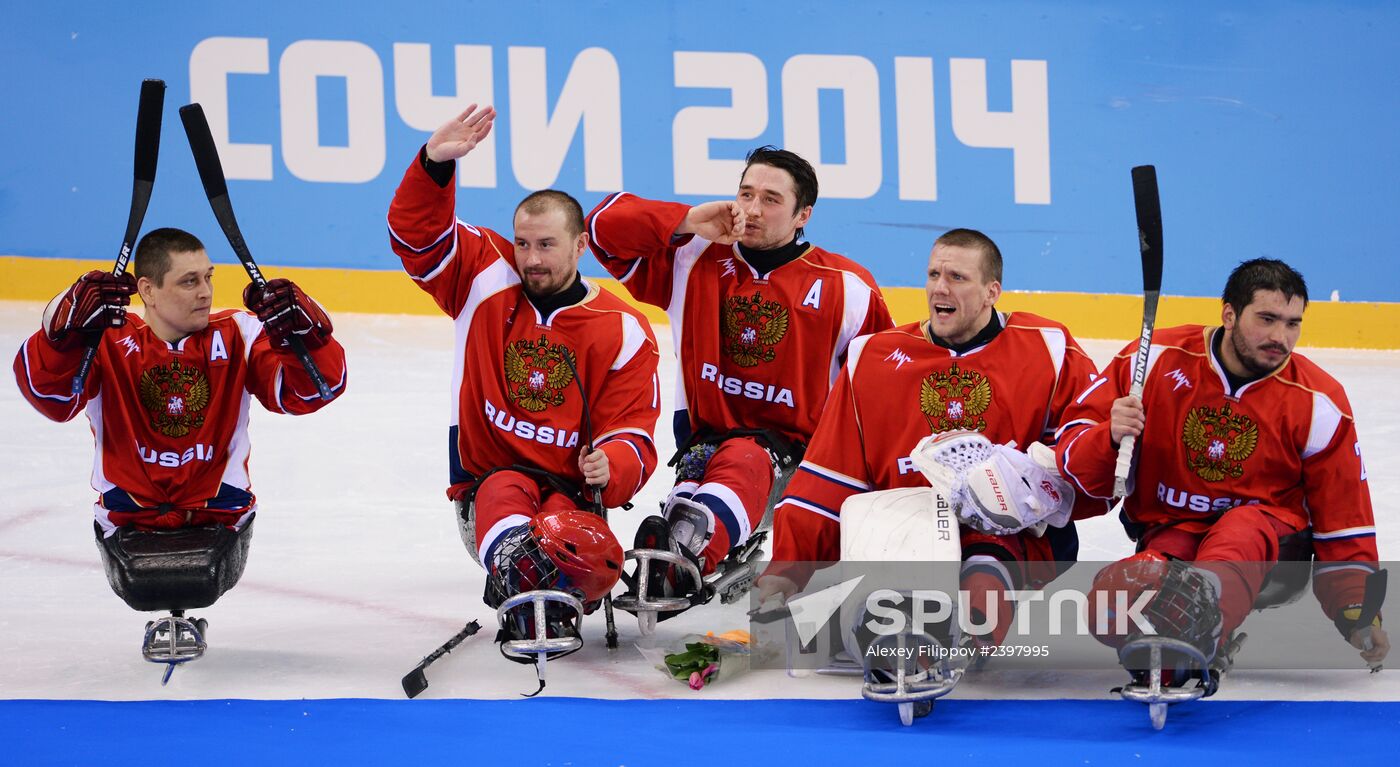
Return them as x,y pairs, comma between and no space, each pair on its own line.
991,385
1244,451
762,320
555,389
167,398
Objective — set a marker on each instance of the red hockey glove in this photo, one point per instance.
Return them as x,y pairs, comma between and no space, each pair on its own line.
97,301
285,311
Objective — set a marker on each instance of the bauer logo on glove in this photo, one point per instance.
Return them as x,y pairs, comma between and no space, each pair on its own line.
995,488
286,311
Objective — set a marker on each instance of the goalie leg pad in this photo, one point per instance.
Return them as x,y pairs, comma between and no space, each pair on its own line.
910,524
183,569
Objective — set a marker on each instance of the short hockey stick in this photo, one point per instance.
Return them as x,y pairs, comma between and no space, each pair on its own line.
147,150
1371,600
610,637
211,173
415,681
1149,220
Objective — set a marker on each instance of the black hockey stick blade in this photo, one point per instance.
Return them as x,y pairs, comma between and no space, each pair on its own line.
148,118
148,115
211,174
415,681
1373,597
1149,220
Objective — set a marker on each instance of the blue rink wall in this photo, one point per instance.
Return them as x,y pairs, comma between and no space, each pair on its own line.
571,731
1272,124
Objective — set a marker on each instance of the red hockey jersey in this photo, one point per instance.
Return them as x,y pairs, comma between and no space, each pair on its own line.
1287,441
899,387
171,419
756,351
515,398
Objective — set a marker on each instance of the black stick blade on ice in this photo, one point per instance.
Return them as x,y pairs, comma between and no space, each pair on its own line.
415,681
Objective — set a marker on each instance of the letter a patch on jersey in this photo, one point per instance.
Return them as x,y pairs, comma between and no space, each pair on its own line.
814,296
217,350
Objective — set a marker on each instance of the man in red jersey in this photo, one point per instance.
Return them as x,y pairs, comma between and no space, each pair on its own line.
1241,445
968,367
168,400
554,385
761,321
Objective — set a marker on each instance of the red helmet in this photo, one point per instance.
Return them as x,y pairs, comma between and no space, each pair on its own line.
584,549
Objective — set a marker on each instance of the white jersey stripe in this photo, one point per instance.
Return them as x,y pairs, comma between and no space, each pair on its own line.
1326,417
856,297
791,501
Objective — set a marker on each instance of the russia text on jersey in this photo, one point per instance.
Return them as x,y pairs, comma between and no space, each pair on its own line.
737,387
527,430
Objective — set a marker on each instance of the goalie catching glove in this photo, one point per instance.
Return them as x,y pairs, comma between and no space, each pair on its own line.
97,301
995,488
286,311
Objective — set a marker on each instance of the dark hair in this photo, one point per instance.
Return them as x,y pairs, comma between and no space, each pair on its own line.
1262,274
804,178
971,238
553,199
152,257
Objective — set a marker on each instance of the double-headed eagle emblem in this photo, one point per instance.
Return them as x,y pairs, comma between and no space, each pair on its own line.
955,399
751,327
536,373
174,395
1219,441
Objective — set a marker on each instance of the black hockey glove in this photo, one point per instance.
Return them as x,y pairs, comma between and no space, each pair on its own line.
97,301
286,311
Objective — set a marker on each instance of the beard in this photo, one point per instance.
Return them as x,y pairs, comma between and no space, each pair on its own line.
1253,363
542,286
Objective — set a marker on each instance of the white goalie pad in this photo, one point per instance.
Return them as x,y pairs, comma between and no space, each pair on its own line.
995,488
909,524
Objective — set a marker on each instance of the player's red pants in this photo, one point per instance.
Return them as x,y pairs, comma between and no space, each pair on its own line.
1240,548
738,479
507,499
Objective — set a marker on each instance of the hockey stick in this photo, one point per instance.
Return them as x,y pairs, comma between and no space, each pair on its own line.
1149,220
415,681
1371,600
147,149
211,173
610,637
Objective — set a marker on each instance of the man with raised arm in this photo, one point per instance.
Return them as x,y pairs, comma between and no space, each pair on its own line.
554,391
761,321
168,399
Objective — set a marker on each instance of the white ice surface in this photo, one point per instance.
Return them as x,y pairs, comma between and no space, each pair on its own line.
357,570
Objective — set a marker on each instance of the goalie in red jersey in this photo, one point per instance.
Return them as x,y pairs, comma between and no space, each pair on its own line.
993,386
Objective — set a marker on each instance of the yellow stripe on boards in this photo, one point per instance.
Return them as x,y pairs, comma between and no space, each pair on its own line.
1342,324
